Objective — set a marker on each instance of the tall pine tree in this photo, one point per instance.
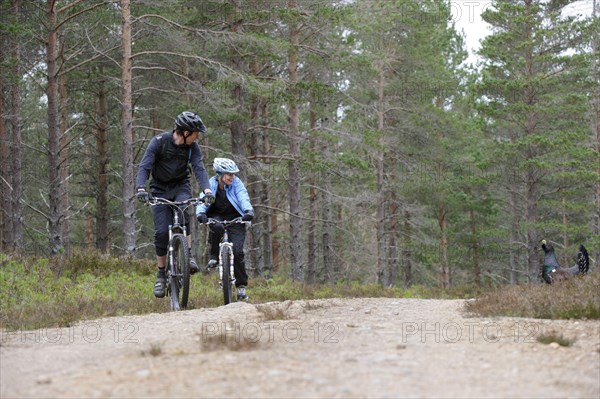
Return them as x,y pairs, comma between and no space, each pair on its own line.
532,92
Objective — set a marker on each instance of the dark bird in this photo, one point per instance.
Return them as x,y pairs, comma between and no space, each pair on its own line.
552,272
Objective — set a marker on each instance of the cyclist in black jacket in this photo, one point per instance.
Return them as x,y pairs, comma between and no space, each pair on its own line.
166,159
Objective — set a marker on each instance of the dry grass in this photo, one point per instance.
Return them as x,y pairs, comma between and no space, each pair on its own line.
270,312
98,264
231,337
37,293
578,298
554,337
155,350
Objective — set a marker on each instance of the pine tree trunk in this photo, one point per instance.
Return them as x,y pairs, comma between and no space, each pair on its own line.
199,240
407,252
102,216
13,213
64,154
382,265
515,216
311,264
294,181
330,263
475,247
531,179
596,129
89,231
392,230
236,126
15,155
129,228
89,188
17,206
55,216
380,221
262,229
565,221
531,217
444,265
253,183
442,213
270,242
6,189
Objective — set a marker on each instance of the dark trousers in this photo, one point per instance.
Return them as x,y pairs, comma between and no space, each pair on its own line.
237,236
163,215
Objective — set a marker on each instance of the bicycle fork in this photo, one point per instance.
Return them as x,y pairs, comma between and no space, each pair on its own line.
171,250
225,243
171,258
172,228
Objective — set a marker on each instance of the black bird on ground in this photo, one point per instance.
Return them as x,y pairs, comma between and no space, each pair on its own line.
552,272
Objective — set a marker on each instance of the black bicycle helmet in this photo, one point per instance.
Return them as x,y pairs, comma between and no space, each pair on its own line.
190,121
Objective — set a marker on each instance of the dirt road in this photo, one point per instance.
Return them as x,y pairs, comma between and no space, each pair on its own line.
321,348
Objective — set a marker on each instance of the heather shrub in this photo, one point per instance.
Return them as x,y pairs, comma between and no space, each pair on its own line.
577,298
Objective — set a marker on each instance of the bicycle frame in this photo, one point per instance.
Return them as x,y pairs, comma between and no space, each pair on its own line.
226,271
178,258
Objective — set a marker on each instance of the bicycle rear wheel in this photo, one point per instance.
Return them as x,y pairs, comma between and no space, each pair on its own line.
226,281
180,277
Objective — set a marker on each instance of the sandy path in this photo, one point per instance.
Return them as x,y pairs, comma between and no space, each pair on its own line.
320,348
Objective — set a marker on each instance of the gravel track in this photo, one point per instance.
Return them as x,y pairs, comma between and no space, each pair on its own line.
305,349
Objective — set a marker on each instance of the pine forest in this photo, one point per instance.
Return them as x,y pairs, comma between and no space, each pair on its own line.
373,151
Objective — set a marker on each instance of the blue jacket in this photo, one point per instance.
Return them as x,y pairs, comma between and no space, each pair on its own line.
236,194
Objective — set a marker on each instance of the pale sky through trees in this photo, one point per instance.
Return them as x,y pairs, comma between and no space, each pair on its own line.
467,16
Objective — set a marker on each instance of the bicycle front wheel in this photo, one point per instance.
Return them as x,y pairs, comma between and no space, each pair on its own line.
180,277
226,278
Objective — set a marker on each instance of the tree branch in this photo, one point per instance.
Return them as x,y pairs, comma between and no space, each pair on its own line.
70,17
183,27
206,61
256,127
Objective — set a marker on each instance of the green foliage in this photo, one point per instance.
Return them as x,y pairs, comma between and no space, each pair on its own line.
97,264
35,294
448,139
532,92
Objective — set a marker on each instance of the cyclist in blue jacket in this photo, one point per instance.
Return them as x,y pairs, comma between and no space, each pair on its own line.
231,201
167,159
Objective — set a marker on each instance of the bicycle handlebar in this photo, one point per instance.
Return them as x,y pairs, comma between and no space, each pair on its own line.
153,201
237,220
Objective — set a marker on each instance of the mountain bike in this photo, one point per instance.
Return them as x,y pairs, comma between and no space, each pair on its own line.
225,265
178,255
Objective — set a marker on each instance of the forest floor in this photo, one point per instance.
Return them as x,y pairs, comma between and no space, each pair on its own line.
305,349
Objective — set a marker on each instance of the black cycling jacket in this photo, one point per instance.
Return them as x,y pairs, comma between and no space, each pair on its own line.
168,164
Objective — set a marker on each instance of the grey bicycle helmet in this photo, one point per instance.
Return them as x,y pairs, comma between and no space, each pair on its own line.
225,165
190,121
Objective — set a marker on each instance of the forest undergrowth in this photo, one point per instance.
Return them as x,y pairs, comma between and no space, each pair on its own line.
57,292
